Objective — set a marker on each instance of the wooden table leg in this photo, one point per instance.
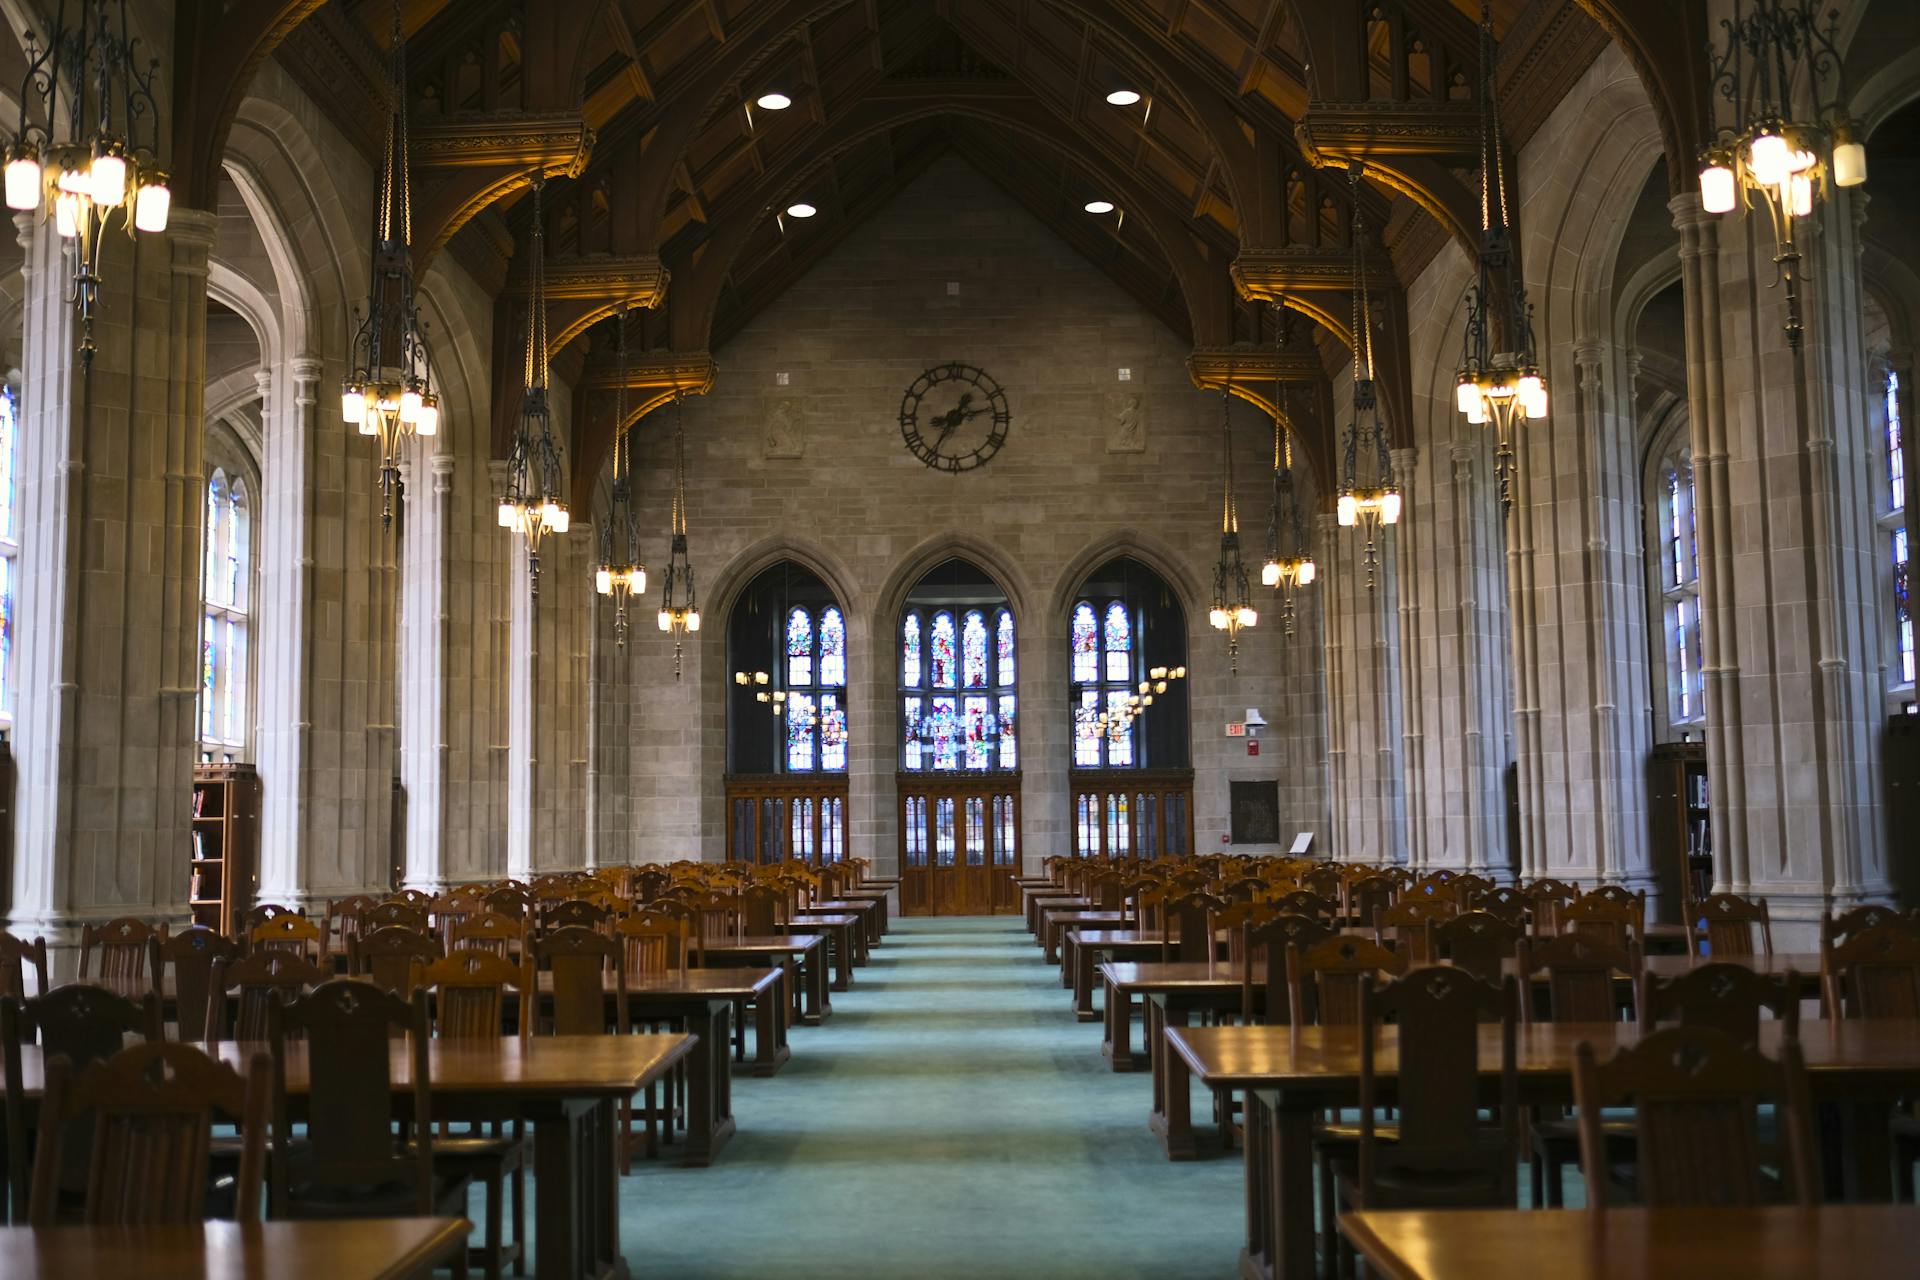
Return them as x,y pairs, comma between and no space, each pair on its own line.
1050,943
1119,1042
709,1086
1067,949
842,958
1172,1115
1284,1226
1083,958
770,1050
813,965
576,1191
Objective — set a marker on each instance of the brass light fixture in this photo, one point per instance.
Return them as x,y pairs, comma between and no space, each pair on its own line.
388,393
1500,381
679,607
1776,55
1232,598
533,506
1289,563
620,575
93,159
1369,497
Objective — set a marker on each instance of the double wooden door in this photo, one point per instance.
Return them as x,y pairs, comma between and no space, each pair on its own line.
959,843
773,818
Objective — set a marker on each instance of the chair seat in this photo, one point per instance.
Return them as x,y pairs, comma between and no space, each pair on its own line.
1340,1133
465,1151
394,1199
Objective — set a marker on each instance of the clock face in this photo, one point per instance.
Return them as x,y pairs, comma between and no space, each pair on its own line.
954,417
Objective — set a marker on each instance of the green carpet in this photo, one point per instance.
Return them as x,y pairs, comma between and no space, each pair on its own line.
951,1119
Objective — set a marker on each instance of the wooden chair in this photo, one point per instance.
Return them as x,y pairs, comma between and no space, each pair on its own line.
1695,1093
81,1023
580,960
1614,923
1478,941
449,910
151,1109
1323,980
15,955
1467,886
1301,902
1545,899
415,898
1723,924
1503,901
191,953
289,933
1836,929
259,980
341,923
1409,925
1368,895
404,914
1874,974
491,932
652,942
511,903
1266,943
1726,997
469,997
571,912
122,945
261,912
1190,922
1438,1154
476,891
1633,900
387,957
351,1164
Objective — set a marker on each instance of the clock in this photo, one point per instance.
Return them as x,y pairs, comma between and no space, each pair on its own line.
954,417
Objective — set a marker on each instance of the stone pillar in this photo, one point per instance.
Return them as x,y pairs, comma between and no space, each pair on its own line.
423,675
1363,713
111,495
523,716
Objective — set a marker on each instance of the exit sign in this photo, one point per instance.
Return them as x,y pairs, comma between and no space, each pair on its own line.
1236,728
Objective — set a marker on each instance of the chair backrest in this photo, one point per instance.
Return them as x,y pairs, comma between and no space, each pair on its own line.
349,1027
387,956
257,981
569,912
1695,1093
1323,980
1409,924
511,903
1836,929
653,941
192,954
122,947
1368,894
1875,973
261,912
763,908
1477,941
1580,970
1726,923
1614,923
1324,881
15,955
1263,982
152,1109
347,914
404,914
1545,899
1438,1012
476,891
469,990
1504,901
416,898
488,931
1726,997
1304,902
1190,921
286,932
580,960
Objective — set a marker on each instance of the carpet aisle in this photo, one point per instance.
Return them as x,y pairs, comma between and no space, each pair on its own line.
951,1119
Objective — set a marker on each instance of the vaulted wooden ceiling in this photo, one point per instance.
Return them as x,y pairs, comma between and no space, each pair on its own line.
667,184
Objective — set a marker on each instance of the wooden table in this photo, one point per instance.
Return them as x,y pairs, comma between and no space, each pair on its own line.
805,952
567,1086
341,1249
1772,1243
1124,981
1086,946
847,937
872,912
1291,1073
1056,920
1031,900
698,994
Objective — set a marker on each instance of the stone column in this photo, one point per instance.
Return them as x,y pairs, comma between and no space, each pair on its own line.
111,495
523,716
1363,713
424,692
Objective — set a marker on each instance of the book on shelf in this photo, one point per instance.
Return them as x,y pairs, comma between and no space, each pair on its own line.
199,800
199,845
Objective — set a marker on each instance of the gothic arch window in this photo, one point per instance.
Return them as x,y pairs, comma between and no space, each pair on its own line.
959,700
9,551
1673,610
788,627
225,592
1892,521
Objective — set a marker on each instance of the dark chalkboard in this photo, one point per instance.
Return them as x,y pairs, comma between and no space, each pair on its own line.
1256,812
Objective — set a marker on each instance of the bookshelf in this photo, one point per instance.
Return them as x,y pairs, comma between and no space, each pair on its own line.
220,854
1682,824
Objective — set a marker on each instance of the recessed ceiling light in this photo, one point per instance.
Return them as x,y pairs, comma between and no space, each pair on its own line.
801,209
1099,206
774,101
1123,97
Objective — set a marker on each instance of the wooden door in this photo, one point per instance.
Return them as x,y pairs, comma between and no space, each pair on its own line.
959,845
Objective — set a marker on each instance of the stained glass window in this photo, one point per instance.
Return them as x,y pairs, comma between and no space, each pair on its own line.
973,648
225,580
910,651
833,648
982,733
1086,645
1896,453
799,649
833,733
1104,677
1004,630
911,728
801,725
1086,730
1902,607
940,651
1119,643
9,548
1676,606
1009,744
943,732
1894,525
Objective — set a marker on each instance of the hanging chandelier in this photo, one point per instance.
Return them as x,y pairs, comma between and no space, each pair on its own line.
620,575
533,506
679,607
1232,598
1369,498
85,79
1288,567
389,393
775,699
1778,55
1499,380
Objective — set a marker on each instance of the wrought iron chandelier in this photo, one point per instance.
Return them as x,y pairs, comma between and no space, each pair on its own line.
1369,498
679,606
1289,563
1232,598
1500,381
92,160
389,392
775,699
1777,54
533,506
1117,722
620,574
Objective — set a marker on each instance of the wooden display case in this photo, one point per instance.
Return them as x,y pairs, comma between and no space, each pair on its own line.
221,863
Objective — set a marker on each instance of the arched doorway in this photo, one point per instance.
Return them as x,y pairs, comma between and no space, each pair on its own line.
1132,766
959,776
787,731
